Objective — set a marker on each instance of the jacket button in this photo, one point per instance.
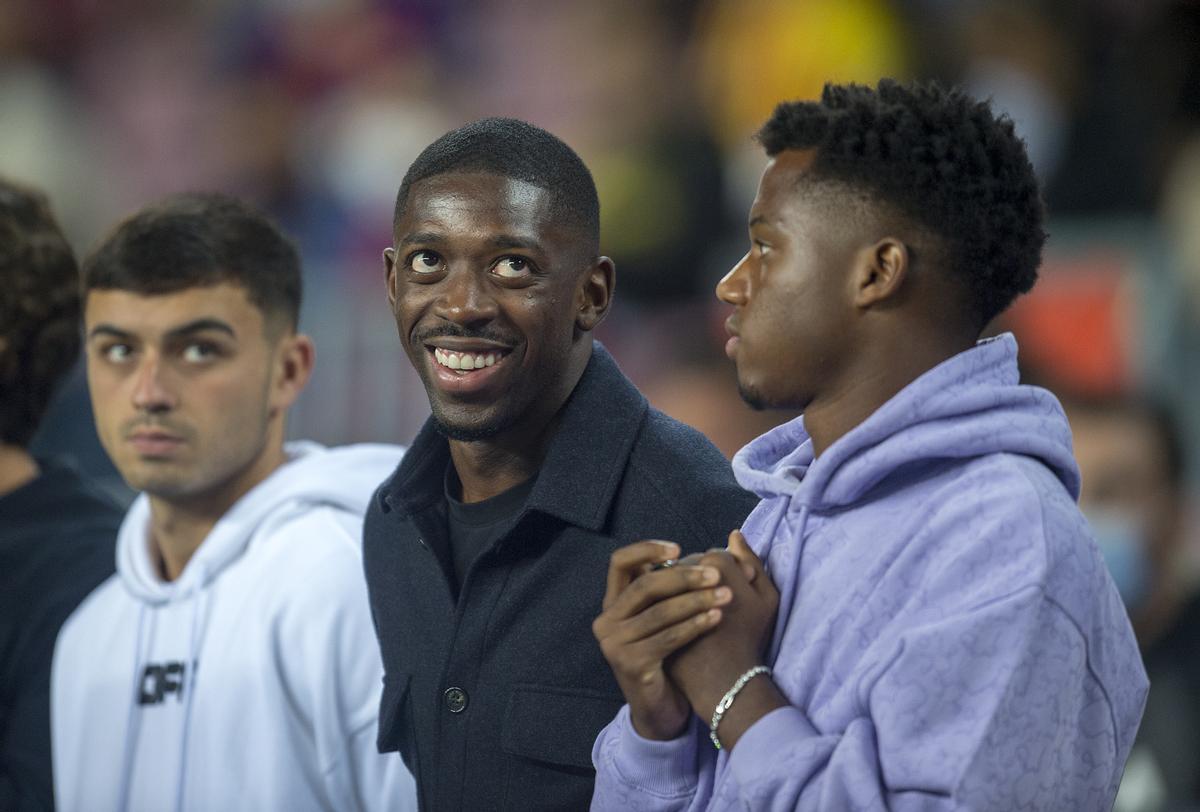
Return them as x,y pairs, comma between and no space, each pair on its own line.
456,700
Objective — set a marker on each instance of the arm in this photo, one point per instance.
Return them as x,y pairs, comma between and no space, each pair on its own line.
650,616
338,676
990,707
647,615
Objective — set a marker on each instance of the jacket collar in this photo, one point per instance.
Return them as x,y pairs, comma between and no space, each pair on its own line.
584,461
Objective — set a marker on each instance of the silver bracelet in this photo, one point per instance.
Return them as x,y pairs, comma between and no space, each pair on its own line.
727,700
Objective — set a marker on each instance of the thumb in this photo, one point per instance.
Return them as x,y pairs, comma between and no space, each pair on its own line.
739,548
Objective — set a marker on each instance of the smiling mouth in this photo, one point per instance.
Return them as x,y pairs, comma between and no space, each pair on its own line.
465,362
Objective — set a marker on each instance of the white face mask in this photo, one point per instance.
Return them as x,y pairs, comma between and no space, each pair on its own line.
1121,537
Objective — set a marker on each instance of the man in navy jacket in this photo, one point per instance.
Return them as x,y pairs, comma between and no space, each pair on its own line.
485,551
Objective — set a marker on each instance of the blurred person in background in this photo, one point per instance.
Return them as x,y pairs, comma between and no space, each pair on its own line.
918,618
230,663
1134,495
485,551
56,530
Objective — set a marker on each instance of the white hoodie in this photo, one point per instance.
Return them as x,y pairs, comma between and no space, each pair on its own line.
250,682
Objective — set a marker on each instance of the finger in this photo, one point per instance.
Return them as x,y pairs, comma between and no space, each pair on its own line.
660,585
731,569
631,561
666,642
667,613
749,561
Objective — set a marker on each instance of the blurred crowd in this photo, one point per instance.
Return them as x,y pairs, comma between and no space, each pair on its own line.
314,109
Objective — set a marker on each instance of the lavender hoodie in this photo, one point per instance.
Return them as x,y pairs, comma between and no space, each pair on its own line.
948,636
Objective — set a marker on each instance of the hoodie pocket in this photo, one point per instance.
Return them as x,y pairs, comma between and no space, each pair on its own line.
395,719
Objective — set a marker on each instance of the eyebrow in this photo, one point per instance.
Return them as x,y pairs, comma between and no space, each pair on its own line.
757,220
420,236
197,326
508,241
500,241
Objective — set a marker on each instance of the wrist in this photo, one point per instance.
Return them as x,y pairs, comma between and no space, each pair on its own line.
754,699
660,724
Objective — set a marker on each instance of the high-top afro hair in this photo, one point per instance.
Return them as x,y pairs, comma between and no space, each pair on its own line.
943,160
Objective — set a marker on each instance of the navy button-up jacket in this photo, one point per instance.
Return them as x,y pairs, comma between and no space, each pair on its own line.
532,689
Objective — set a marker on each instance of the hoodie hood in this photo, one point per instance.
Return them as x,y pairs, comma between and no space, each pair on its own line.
969,405
313,476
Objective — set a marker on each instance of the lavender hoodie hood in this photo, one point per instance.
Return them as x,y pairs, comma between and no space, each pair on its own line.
948,637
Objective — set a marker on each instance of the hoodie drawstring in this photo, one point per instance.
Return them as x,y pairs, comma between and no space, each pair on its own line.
199,605
784,615
131,723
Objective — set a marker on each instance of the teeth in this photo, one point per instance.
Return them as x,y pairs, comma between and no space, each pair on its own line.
465,360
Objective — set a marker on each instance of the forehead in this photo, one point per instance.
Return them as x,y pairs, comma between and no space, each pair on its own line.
778,188
152,314
479,204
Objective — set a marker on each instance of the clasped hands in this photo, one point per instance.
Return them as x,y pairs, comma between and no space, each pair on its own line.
677,638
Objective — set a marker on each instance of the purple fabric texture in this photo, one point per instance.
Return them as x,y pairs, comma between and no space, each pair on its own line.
948,636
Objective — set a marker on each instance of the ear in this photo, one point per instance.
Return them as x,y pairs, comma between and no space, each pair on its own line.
881,273
294,359
389,272
594,294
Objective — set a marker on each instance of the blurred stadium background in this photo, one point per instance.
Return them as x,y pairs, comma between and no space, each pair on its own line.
314,108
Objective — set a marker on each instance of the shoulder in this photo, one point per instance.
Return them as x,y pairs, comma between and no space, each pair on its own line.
104,609
681,478
986,527
320,546
663,445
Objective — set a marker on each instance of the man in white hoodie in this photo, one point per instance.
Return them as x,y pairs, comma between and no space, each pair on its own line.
231,661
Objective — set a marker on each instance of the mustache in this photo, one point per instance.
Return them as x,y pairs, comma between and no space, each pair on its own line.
455,331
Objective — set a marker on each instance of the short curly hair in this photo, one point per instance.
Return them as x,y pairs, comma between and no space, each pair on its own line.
942,160
518,150
39,310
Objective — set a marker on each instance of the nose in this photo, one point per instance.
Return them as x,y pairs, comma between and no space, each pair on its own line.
733,288
149,391
466,299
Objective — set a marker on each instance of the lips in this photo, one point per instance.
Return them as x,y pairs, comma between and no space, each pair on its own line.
155,444
466,369
734,340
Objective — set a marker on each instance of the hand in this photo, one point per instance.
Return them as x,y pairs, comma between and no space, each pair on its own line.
649,614
707,668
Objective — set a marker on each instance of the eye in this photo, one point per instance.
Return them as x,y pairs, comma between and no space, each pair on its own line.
116,353
511,267
762,247
198,352
424,262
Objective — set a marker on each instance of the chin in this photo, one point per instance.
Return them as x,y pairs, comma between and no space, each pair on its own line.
754,399
468,428
466,434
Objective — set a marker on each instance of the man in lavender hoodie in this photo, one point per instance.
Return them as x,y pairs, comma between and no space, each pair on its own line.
916,616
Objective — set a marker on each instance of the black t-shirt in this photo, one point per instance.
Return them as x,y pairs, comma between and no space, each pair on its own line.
474,527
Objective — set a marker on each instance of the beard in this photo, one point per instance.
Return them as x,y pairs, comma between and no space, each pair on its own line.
469,432
753,399
465,434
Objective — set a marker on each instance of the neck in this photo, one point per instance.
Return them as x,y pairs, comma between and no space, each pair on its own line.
490,467
486,469
17,468
178,526
885,367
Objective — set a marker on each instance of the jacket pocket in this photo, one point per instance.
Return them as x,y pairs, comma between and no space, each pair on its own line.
556,725
394,717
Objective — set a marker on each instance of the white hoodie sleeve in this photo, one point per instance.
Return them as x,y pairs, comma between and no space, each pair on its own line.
331,666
